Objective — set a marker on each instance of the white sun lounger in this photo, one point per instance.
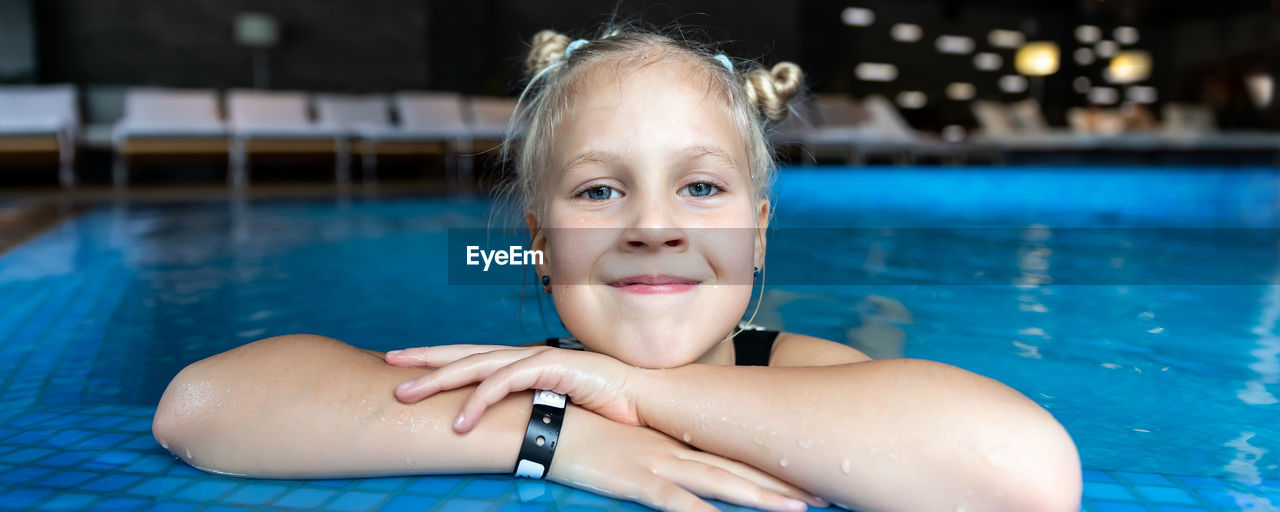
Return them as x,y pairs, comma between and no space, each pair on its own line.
167,121
279,122
430,123
41,119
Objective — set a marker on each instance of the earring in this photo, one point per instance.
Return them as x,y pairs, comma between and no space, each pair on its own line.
546,284
755,272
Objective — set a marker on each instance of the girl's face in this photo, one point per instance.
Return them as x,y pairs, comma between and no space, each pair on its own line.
650,230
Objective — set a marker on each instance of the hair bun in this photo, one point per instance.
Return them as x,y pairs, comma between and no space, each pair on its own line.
546,49
771,90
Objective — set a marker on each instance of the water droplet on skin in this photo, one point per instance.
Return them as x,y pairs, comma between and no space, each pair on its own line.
805,443
188,454
783,462
846,466
686,437
892,455
164,445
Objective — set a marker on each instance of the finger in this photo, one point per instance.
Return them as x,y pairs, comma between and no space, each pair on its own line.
529,373
715,482
470,369
757,477
664,495
437,356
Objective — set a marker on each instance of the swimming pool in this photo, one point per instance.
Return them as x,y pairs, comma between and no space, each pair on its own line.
1138,305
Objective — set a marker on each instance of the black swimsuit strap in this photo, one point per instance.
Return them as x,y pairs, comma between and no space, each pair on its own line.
752,347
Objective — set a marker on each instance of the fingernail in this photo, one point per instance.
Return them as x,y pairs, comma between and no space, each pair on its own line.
393,353
794,504
404,386
458,422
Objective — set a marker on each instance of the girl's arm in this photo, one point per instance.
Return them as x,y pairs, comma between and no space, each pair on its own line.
893,434
310,406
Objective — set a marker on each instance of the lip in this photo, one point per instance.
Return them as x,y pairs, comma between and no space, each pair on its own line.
651,284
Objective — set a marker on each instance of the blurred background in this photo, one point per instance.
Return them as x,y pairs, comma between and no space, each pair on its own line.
978,72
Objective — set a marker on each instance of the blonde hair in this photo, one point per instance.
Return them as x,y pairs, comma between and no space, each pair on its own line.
754,98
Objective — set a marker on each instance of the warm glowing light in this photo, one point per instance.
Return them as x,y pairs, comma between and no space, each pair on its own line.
1001,38
857,17
1013,84
1261,88
912,99
906,32
1088,34
956,45
987,61
876,72
1037,58
961,91
1129,66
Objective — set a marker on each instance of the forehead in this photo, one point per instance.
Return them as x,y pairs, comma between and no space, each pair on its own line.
659,99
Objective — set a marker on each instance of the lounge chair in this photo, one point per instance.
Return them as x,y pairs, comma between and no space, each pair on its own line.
279,122
431,123
41,119
168,122
354,115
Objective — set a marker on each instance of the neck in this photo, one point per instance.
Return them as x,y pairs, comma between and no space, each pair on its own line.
720,354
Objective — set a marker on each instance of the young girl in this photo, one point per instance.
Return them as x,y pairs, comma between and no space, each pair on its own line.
643,171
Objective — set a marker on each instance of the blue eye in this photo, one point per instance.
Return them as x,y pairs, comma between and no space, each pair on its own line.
600,193
701,189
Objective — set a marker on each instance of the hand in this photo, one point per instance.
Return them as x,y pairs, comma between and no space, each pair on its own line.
644,465
594,381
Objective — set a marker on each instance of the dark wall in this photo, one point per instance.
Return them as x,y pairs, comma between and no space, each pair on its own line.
339,45
17,42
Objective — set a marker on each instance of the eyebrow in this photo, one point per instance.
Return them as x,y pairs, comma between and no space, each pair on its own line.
695,152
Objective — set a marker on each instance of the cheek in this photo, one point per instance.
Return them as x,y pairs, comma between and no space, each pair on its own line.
731,252
572,252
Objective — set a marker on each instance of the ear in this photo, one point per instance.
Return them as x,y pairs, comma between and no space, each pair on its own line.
762,225
537,240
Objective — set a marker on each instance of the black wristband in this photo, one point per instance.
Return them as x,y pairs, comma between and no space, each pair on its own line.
541,435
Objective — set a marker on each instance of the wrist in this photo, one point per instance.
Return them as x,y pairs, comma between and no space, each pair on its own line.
651,393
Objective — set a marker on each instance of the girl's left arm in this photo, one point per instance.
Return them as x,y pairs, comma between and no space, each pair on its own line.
892,434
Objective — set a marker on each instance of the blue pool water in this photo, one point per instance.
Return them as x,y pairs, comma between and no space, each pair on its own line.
1138,306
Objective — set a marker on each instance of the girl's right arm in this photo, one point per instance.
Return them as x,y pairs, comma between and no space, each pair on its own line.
308,406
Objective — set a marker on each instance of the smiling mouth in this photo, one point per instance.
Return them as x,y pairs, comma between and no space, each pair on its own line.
654,284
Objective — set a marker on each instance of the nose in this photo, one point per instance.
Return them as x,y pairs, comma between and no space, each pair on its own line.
654,226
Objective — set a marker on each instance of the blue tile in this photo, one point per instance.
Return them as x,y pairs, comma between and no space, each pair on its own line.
204,491
522,507
409,502
485,488
1142,478
106,440
151,464
435,485
158,486
1218,497
68,479
110,483
23,474
1091,475
1180,508
68,458
333,482
120,505
221,508
172,507
33,436
1201,482
22,498
304,498
354,501
1165,495
68,501
68,437
112,459
1099,491
382,484
468,505
580,497
26,455
254,494
1116,506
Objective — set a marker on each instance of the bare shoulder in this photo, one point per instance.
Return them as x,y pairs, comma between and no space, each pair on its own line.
792,349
